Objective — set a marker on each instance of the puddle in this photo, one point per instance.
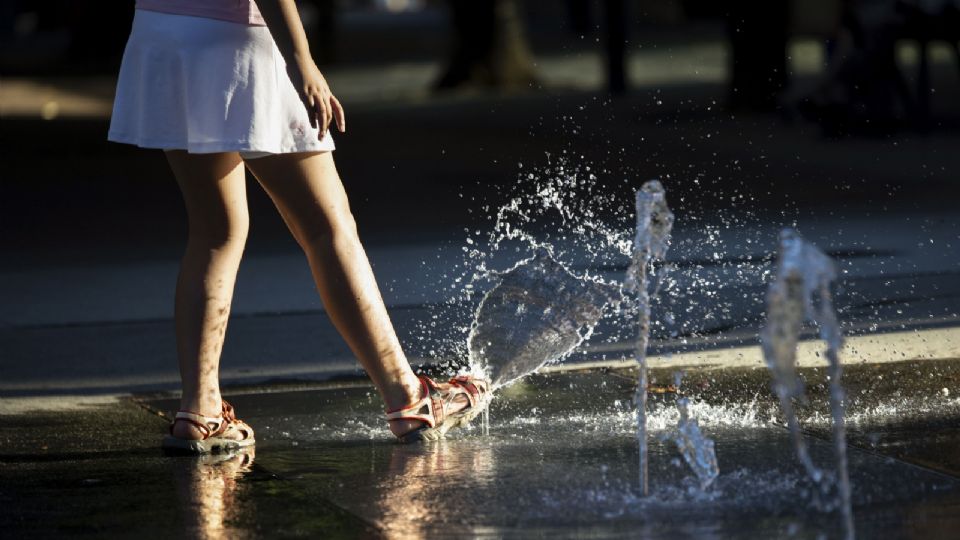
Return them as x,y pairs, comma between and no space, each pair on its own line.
561,458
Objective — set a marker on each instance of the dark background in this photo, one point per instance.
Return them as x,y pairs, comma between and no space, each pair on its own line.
831,114
493,97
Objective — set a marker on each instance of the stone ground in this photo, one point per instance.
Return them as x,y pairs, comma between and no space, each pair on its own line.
560,460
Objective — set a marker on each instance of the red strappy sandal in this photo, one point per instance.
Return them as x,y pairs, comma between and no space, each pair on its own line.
431,411
219,433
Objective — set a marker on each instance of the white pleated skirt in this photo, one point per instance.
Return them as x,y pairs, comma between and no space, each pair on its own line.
205,85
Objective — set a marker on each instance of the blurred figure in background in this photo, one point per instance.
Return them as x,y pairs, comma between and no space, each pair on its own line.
490,47
865,90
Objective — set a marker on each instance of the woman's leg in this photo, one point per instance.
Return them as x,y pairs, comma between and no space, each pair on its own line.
309,195
214,192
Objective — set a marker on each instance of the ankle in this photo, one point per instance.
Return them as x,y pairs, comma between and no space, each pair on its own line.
210,404
405,390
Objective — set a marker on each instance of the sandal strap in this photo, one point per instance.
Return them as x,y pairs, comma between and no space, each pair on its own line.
473,388
246,432
428,409
210,426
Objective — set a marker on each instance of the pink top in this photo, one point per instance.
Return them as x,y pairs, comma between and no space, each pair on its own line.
237,11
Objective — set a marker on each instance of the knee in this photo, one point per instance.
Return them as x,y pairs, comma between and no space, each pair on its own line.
323,232
220,234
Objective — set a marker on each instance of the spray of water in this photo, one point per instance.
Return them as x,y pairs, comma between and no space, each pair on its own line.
539,312
582,213
654,223
696,448
559,217
801,291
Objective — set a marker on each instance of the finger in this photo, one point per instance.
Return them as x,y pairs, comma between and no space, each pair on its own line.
310,104
319,113
327,115
339,114
322,119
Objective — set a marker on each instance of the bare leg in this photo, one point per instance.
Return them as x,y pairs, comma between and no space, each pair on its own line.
309,195
214,192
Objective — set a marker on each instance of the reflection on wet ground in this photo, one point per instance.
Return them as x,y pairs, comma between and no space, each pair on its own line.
561,458
474,486
210,485
71,474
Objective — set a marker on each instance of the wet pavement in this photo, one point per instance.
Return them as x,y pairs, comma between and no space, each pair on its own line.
279,330
560,459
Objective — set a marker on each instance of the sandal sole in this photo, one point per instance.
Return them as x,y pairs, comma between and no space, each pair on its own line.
176,445
425,434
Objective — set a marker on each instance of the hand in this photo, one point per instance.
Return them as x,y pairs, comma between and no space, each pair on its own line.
322,106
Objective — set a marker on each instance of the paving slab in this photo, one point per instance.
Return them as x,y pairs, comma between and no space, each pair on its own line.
561,459
92,468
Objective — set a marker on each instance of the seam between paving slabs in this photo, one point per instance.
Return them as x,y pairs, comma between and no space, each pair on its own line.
875,453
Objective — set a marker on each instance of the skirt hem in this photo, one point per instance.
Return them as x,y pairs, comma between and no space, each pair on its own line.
218,146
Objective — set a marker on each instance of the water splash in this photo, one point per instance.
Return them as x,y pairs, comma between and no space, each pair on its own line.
485,421
582,211
696,448
561,206
538,313
801,291
654,223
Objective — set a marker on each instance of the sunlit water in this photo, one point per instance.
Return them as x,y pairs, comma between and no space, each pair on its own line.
559,211
654,224
558,457
546,277
538,312
562,450
584,216
697,449
801,291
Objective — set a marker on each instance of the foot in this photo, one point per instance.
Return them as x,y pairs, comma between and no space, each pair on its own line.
186,430
190,432
402,427
209,432
438,408
209,405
